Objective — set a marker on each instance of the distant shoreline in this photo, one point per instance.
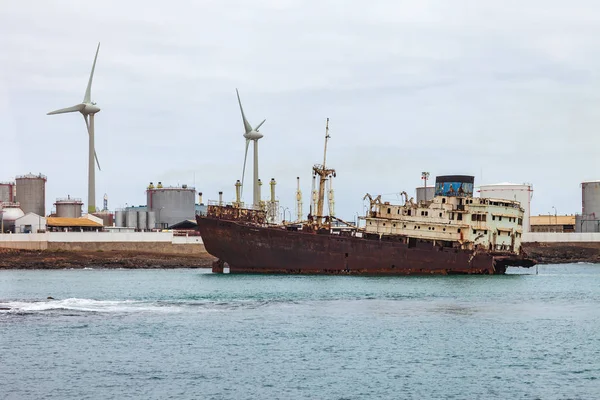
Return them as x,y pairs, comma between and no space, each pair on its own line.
47,259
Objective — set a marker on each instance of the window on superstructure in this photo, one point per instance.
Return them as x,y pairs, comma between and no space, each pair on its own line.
426,213
443,200
493,217
473,217
458,230
440,215
409,213
485,232
520,221
484,217
474,232
459,217
389,210
499,218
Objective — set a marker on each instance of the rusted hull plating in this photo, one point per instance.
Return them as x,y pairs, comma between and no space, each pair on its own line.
253,249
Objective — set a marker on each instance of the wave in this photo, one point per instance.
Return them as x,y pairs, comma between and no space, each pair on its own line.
85,305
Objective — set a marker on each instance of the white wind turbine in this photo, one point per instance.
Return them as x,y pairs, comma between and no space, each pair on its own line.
87,108
251,135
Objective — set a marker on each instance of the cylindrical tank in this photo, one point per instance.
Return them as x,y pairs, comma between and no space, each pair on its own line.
172,204
590,207
9,213
142,224
454,185
7,192
590,199
425,193
68,208
31,193
120,218
511,191
151,220
131,219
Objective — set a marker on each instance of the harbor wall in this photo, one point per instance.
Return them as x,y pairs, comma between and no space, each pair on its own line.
148,242
551,237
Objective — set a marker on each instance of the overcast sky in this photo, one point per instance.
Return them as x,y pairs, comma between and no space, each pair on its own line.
502,90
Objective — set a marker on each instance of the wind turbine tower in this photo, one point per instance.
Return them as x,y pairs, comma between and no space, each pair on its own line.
88,109
251,135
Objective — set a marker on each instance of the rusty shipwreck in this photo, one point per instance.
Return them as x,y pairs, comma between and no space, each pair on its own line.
452,233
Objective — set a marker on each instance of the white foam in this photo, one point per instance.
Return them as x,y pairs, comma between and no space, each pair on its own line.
88,305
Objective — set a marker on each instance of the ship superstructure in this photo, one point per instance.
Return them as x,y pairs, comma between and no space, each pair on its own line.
453,218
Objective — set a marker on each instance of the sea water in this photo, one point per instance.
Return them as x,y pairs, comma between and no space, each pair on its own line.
191,334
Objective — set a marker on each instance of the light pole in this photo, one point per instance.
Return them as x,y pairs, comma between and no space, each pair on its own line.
555,218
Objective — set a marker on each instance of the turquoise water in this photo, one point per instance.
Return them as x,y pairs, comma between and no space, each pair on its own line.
189,334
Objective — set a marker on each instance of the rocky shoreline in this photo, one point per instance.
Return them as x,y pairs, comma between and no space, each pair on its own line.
562,253
47,259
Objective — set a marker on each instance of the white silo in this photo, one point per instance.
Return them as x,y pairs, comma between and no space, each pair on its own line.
521,192
589,220
171,204
31,193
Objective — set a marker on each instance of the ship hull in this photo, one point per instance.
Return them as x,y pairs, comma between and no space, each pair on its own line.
255,249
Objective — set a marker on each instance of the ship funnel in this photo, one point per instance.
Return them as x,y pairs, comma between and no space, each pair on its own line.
273,183
200,198
298,200
220,198
238,186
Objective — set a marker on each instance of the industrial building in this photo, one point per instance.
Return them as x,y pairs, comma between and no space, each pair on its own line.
511,191
552,223
30,223
66,224
31,193
589,219
171,204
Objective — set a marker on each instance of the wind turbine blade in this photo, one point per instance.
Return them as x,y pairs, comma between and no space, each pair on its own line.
78,107
244,170
88,92
97,162
87,124
247,126
259,125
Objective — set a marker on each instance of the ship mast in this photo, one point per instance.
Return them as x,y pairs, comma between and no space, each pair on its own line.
323,172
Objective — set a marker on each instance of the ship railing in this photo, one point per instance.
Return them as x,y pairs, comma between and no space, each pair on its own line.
234,204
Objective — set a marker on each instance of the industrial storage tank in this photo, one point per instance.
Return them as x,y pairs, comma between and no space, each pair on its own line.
141,220
425,193
131,219
68,208
120,218
151,220
9,213
7,192
589,220
31,193
454,185
171,204
521,192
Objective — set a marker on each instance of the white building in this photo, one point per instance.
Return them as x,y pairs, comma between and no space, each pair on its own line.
521,192
30,223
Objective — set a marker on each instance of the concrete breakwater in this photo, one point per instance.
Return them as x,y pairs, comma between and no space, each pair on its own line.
151,242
